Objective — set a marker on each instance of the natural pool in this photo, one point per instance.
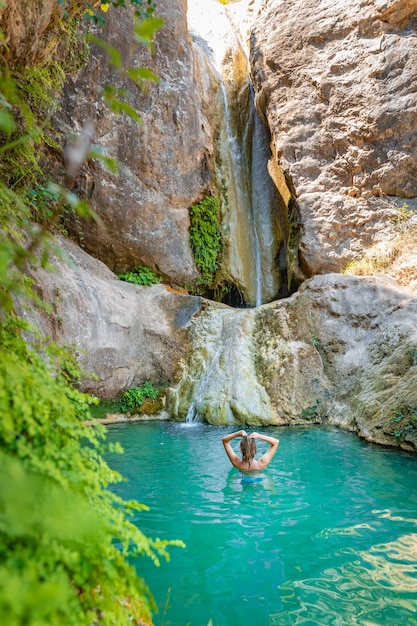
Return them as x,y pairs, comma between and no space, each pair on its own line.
330,537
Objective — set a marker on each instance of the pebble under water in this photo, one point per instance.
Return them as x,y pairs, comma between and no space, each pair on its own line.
328,537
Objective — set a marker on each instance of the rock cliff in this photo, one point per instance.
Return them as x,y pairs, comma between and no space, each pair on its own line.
337,84
342,350
123,334
164,162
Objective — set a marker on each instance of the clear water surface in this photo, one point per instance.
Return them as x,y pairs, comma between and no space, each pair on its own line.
329,537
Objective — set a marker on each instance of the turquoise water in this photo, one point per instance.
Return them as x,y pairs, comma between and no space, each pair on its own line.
329,537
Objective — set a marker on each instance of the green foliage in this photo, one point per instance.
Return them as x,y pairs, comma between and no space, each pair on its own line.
405,420
413,355
67,542
42,202
142,275
104,407
27,103
205,238
313,412
134,397
116,98
58,519
144,9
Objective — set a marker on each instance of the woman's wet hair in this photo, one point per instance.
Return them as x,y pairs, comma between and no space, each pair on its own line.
248,449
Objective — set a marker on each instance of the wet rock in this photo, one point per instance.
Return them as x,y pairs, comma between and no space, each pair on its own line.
342,351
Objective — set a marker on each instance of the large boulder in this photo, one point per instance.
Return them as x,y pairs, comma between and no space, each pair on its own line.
336,82
342,350
122,334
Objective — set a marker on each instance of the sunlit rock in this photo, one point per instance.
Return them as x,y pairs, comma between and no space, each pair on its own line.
343,350
219,384
336,82
165,162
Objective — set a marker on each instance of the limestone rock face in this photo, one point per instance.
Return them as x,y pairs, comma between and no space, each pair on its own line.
364,331
337,84
164,161
342,350
124,334
219,383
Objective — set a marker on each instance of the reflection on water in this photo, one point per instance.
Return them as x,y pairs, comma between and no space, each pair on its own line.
394,564
374,585
387,514
349,530
328,536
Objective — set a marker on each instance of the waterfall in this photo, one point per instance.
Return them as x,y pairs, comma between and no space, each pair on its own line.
245,260
254,237
252,233
220,382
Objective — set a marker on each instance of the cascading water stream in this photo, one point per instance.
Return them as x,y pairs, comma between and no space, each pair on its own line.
252,233
255,236
241,191
220,382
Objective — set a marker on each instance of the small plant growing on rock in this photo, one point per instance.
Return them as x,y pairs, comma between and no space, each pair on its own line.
413,355
406,420
313,412
316,342
205,237
402,216
134,397
141,275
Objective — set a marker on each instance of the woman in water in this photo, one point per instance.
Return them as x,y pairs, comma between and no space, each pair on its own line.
248,449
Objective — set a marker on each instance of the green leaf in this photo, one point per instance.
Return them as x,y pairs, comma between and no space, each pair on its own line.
7,123
115,57
144,31
119,108
141,74
111,164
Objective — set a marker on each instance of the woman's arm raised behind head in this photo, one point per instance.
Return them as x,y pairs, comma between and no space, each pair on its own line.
269,454
229,450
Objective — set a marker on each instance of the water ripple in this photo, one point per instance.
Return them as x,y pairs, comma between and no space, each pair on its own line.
327,539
